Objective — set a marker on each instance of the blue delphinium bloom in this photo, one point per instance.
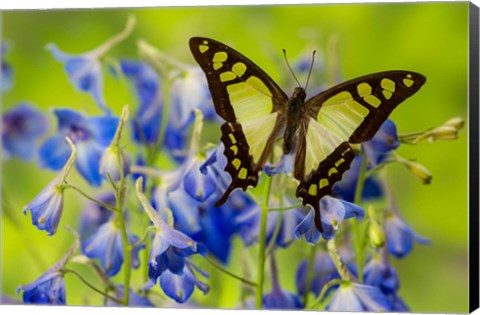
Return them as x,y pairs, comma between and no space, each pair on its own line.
91,136
6,71
356,297
47,207
384,141
49,288
94,215
22,127
333,212
198,183
106,244
180,286
84,72
400,236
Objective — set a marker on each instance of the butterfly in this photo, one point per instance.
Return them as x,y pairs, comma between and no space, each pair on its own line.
318,131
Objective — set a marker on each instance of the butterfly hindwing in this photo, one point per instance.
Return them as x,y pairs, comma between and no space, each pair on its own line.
351,112
251,103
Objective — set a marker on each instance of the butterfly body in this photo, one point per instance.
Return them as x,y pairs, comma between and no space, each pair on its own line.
318,131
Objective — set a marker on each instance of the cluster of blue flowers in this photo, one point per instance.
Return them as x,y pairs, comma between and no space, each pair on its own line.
177,177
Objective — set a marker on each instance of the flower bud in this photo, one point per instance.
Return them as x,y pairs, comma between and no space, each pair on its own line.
375,231
443,133
113,160
455,122
419,170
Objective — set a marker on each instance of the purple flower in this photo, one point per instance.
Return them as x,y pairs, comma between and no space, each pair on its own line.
22,127
180,286
355,297
333,212
49,288
6,71
91,136
47,207
106,244
400,236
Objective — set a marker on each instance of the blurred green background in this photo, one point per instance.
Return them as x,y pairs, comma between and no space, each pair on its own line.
429,38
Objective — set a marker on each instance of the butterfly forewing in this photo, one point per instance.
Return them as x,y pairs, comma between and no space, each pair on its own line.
251,103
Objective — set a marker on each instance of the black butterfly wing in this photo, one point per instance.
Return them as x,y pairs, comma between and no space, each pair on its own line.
251,103
351,112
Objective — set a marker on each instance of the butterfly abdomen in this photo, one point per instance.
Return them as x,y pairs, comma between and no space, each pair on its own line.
295,112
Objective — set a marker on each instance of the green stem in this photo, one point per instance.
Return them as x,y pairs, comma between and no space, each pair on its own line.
92,286
311,263
243,280
358,244
84,194
295,206
337,261
275,235
323,292
262,244
163,124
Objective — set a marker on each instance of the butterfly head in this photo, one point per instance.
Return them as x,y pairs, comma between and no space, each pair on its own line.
299,93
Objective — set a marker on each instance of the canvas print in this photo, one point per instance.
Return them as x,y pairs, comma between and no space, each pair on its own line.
300,157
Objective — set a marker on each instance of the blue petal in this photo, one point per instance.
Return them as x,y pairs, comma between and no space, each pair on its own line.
185,211
88,162
94,215
352,210
49,290
177,287
307,228
69,119
54,153
145,79
281,299
103,128
198,186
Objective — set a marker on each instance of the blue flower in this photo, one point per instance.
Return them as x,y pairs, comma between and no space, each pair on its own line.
148,116
198,183
91,136
169,249
22,127
84,72
49,288
113,161
47,207
381,274
94,215
6,71
106,244
355,297
180,286
400,236
134,299
190,92
333,212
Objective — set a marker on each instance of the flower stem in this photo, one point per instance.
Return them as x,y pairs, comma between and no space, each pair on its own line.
262,243
311,263
92,286
337,261
295,206
243,280
356,229
84,194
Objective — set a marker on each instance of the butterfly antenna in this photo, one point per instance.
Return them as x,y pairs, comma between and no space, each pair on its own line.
286,60
311,67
